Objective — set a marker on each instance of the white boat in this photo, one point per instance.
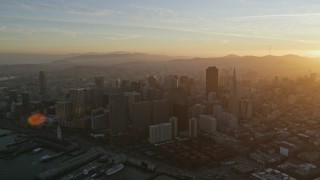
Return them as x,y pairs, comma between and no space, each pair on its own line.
37,150
114,169
45,158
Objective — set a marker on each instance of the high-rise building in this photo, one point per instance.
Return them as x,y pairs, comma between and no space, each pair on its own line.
174,122
198,110
59,133
64,113
115,83
234,101
217,110
93,98
42,83
153,81
160,111
140,115
118,112
160,132
13,96
232,121
212,96
193,127
99,82
100,119
77,96
207,124
170,82
181,112
245,109
211,80
183,80
25,99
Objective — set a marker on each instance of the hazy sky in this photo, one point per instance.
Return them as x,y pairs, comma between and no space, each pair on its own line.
174,27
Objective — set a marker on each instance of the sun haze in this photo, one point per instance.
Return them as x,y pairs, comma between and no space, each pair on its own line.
172,27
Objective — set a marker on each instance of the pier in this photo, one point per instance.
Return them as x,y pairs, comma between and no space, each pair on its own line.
70,165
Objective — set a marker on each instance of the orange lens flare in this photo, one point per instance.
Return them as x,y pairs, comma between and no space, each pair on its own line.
36,119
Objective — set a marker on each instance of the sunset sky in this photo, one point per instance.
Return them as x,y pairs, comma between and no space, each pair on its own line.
173,27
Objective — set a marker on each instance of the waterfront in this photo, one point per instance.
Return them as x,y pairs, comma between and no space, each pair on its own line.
27,165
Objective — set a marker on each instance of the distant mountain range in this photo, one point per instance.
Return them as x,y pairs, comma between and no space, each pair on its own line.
17,58
140,63
118,58
87,58
113,58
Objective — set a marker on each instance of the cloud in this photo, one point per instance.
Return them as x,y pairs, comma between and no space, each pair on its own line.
153,12
273,16
81,10
3,28
122,36
38,31
181,30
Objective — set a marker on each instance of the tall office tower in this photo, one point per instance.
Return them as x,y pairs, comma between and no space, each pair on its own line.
181,112
25,99
100,119
217,110
99,82
42,83
153,81
193,127
174,123
64,113
115,83
245,109
160,111
212,96
207,124
59,133
160,132
118,112
132,97
232,121
77,96
234,101
211,80
197,110
140,114
135,86
170,82
13,96
183,80
93,99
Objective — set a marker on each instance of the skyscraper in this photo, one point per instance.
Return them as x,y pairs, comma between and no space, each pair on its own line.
160,132
25,99
193,127
207,124
211,80
174,122
64,113
99,82
78,102
100,119
181,112
118,112
13,96
245,111
234,105
42,83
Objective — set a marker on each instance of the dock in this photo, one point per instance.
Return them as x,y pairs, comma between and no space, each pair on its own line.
70,165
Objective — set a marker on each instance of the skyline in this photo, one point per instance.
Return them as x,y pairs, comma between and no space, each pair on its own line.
206,28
